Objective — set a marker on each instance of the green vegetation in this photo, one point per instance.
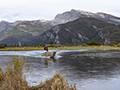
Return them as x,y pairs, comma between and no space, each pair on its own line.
89,45
2,46
13,79
24,32
90,28
2,34
81,31
93,43
51,45
75,32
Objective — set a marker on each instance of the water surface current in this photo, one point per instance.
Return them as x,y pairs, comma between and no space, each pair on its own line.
89,69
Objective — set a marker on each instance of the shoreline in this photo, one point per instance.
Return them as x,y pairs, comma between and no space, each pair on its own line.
60,48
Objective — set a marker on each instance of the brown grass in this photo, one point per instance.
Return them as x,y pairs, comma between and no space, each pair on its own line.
13,79
57,82
63,47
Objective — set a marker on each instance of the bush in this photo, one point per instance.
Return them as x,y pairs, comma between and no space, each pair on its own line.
51,42
57,82
2,46
13,79
1,75
111,44
93,43
42,44
118,45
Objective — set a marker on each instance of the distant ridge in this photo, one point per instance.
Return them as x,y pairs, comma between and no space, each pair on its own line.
80,31
26,31
75,14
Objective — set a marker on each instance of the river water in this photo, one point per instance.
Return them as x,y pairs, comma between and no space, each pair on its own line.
89,69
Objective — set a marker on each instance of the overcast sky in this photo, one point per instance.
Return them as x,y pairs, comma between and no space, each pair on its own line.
13,10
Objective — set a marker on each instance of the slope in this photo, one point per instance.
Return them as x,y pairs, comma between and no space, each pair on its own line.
24,32
80,31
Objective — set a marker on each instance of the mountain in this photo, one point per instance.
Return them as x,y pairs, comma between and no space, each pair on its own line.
75,14
25,32
6,26
80,31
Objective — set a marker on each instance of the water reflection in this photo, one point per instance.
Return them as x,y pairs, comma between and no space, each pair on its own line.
46,60
90,66
85,67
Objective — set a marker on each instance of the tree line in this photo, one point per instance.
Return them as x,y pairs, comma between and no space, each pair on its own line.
51,44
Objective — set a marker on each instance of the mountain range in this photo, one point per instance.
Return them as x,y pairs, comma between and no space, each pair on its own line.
24,31
80,31
78,24
75,14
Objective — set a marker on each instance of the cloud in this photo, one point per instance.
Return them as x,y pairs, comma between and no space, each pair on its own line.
9,16
13,10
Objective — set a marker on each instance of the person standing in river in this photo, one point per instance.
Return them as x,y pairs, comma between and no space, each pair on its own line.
46,48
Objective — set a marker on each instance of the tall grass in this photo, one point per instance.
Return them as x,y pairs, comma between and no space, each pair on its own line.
13,79
57,82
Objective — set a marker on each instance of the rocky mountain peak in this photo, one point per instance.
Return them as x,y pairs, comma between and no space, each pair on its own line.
67,16
75,14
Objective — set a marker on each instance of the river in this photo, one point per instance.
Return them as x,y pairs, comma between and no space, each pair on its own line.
89,69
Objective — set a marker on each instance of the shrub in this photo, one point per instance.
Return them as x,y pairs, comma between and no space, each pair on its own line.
93,43
111,44
13,77
1,75
42,44
57,82
51,42
2,46
118,45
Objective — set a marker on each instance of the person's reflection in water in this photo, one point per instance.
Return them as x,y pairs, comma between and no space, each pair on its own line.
46,61
45,64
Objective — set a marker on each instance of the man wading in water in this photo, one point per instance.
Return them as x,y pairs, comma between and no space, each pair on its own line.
46,48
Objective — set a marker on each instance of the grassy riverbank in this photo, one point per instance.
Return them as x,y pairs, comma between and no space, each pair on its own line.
62,47
13,79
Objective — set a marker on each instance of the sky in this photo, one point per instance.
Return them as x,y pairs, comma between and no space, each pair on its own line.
13,10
